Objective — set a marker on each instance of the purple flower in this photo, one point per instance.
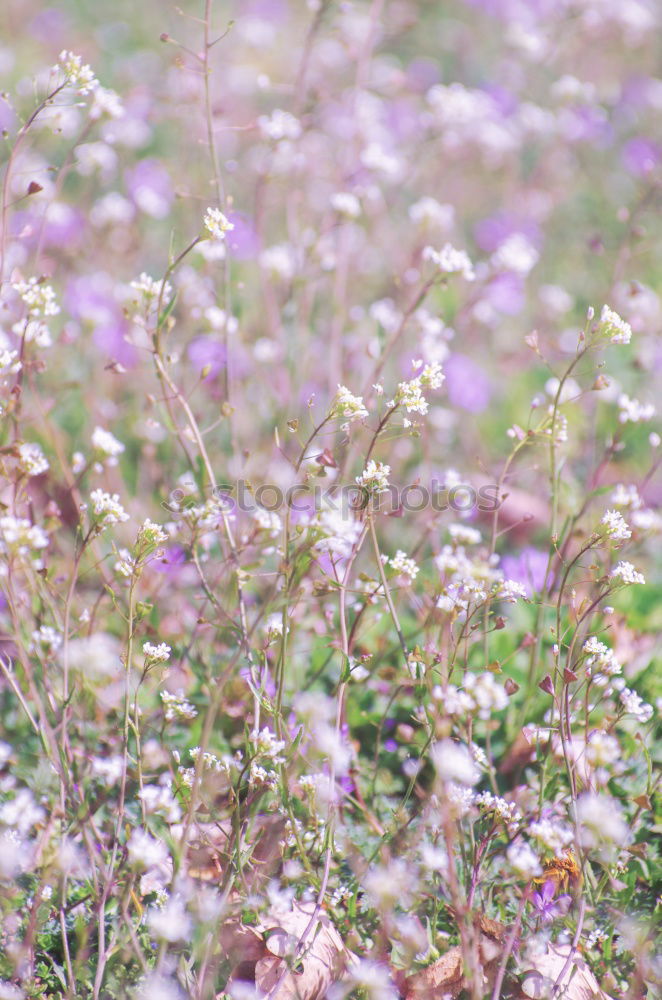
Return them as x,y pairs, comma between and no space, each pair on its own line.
549,908
150,187
640,156
527,568
207,352
242,241
467,384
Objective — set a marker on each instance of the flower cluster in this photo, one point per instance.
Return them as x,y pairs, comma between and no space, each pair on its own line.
449,260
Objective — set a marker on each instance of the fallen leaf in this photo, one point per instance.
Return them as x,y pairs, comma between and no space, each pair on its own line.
444,979
322,960
577,983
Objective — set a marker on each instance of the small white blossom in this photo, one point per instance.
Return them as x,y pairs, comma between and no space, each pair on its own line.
626,572
602,749
429,212
523,860
78,74
632,411
601,823
511,591
626,496
105,102
279,125
463,534
38,297
146,851
18,537
636,706
32,460
217,224
450,261
453,762
170,922
618,331
553,836
157,653
488,695
45,639
347,405
106,444
374,477
150,288
108,508
404,565
177,707
151,534
617,528
346,203
9,363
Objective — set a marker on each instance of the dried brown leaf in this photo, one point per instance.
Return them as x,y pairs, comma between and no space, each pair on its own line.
321,963
576,983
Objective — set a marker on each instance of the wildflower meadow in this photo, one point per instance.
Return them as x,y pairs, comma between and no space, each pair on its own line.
330,505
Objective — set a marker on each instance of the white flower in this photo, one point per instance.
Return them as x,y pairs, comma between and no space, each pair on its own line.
462,534
602,749
177,706
601,821
502,809
347,405
511,591
617,527
374,477
345,203
105,102
432,377
554,836
45,639
279,260
157,654
20,538
22,812
273,625
404,565
453,762
626,496
372,979
170,922
150,288
636,706
108,508
488,695
77,73
341,531
151,534
145,851
626,572
106,444
9,363
516,254
125,564
428,211
279,125
159,799
618,331
268,520
217,224
32,460
523,860
410,395
38,297
632,411
450,261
